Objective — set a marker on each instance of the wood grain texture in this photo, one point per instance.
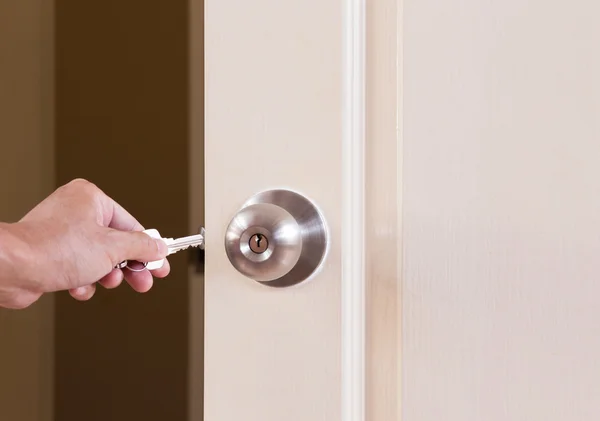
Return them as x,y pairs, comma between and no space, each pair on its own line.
501,211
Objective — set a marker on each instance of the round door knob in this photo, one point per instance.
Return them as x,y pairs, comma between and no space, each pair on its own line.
277,238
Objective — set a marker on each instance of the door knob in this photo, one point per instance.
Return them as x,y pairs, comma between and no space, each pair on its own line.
278,238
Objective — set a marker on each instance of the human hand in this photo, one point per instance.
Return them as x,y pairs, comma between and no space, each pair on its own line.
73,240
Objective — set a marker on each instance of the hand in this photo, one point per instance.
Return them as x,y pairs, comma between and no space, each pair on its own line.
73,240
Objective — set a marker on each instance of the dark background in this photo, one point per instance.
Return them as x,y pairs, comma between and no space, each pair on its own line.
122,122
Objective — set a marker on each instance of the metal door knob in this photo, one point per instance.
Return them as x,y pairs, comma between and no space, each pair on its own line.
277,238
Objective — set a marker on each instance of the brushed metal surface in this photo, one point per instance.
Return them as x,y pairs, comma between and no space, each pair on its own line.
295,233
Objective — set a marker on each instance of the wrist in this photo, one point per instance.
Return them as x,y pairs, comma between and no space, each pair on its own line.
16,264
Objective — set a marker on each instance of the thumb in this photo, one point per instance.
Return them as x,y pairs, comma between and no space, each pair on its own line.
136,245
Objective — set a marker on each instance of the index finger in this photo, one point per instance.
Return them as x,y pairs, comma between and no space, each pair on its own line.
123,220
116,217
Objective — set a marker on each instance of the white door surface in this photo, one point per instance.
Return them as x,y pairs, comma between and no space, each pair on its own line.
501,189
285,108
278,88
453,148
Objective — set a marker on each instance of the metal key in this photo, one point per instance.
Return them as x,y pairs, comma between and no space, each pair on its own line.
174,245
183,243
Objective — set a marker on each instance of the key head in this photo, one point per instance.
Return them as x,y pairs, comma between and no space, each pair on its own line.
155,265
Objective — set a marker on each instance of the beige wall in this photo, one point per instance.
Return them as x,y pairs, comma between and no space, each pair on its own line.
26,176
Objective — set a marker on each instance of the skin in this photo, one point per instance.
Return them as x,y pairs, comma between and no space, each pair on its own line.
72,241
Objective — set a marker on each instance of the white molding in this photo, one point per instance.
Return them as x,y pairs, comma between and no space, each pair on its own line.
399,181
353,227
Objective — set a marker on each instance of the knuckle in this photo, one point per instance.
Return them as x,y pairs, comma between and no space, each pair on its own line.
149,242
85,186
79,182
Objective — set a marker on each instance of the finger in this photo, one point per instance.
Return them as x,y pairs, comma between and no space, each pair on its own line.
83,293
139,281
134,245
116,217
123,220
163,271
112,280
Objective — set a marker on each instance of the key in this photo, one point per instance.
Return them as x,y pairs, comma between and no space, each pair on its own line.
185,242
174,245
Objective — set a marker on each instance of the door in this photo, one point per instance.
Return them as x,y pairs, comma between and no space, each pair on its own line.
285,109
501,107
453,150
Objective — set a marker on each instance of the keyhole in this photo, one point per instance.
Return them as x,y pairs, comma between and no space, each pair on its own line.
259,243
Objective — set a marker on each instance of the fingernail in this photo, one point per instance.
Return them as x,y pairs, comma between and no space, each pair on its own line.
79,291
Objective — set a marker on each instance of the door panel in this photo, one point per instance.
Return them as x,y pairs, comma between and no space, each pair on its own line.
501,210
274,108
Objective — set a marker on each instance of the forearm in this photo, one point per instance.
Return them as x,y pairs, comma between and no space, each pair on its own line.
15,268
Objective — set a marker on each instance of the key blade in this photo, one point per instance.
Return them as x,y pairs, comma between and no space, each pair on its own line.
185,242
192,240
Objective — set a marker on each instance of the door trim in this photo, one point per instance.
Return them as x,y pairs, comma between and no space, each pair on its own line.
353,237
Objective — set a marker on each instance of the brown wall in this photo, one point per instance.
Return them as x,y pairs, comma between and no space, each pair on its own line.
26,176
122,122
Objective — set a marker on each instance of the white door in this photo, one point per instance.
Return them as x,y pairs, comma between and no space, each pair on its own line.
501,190
285,109
453,150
